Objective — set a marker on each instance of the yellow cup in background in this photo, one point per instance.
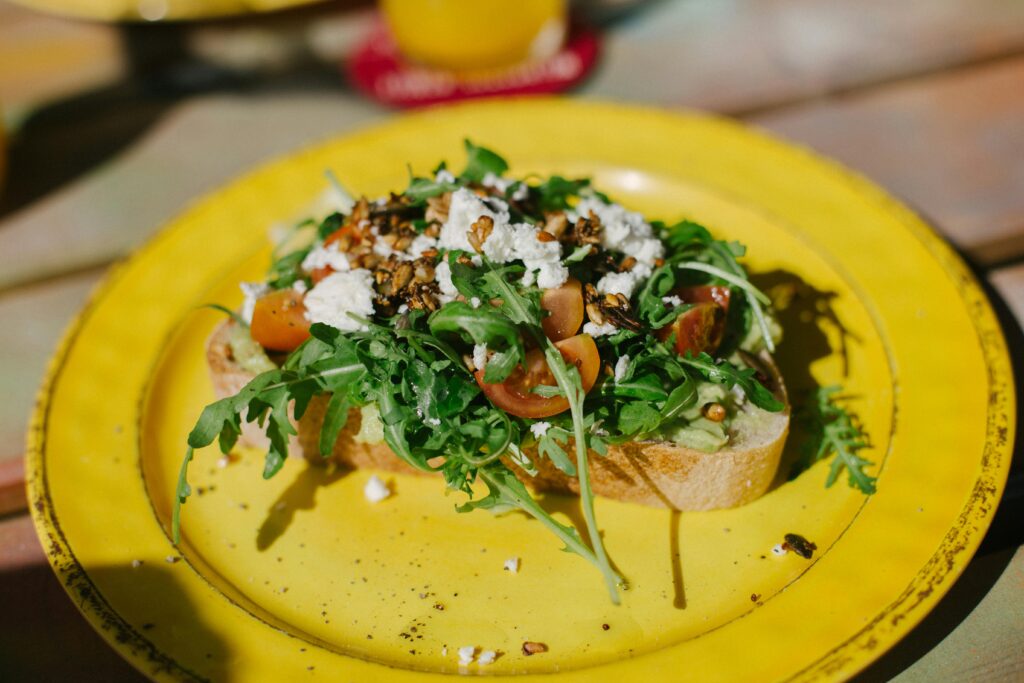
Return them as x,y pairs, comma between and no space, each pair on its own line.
471,35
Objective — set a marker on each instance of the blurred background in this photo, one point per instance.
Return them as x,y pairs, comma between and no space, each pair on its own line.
116,113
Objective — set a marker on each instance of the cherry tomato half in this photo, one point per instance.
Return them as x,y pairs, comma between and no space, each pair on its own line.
514,395
279,321
697,329
705,294
565,310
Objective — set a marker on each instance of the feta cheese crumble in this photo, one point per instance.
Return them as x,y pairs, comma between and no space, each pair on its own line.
486,657
672,301
466,654
252,292
444,176
539,429
512,565
479,356
339,294
506,242
622,283
443,276
625,232
465,209
778,550
621,365
475,302
322,256
595,330
376,490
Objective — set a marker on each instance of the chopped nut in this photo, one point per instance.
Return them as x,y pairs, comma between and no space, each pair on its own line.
480,231
437,208
532,648
545,237
627,263
595,315
556,224
402,277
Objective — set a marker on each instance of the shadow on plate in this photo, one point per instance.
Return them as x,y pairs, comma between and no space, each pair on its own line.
300,495
44,638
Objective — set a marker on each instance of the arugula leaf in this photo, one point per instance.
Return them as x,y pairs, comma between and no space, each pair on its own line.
555,192
722,372
335,417
422,189
550,446
834,432
479,162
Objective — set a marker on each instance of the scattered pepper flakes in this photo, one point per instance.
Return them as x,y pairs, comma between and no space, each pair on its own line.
754,597
800,545
439,607
605,627
532,648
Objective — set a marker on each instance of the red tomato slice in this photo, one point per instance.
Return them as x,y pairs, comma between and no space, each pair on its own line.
279,321
697,329
705,294
565,310
514,395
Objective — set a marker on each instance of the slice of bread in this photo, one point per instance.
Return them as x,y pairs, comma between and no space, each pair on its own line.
659,474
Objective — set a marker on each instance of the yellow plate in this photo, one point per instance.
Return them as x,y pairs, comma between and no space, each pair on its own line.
292,580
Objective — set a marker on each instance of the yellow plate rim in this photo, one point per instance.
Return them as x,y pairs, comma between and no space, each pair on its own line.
932,581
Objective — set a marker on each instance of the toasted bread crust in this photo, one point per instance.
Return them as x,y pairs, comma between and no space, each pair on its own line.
657,474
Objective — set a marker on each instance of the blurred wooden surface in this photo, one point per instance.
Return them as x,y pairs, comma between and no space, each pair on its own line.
925,97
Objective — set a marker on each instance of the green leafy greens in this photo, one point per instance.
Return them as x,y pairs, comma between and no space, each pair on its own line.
833,432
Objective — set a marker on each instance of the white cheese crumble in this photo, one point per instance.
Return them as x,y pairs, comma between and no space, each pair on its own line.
506,242
779,550
622,230
444,176
252,292
466,654
465,209
479,356
621,365
672,300
512,565
443,275
421,244
321,257
300,286
486,657
435,421
599,330
539,429
475,302
376,490
622,283
339,294
626,232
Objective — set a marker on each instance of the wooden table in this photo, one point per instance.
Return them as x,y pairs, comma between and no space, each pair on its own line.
926,98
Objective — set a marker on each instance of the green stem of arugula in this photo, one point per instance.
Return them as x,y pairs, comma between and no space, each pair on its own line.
533,508
561,373
730,261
